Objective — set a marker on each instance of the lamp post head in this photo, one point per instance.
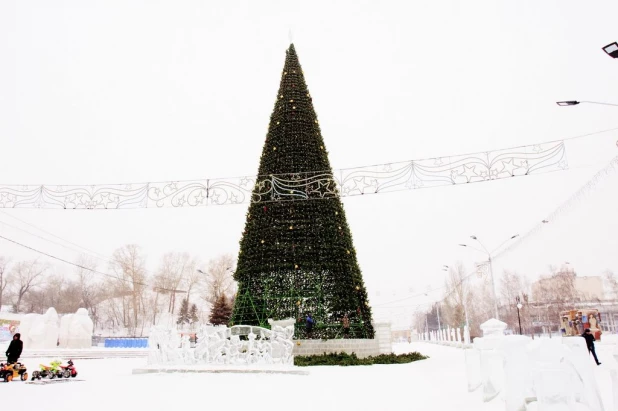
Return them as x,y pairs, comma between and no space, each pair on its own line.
473,237
567,103
611,50
515,236
519,306
200,271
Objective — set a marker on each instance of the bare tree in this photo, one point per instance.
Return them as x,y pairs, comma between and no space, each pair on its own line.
176,270
457,297
4,264
90,289
25,276
219,278
129,266
514,288
612,282
556,292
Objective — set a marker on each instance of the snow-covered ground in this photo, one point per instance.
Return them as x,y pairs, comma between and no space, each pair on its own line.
436,383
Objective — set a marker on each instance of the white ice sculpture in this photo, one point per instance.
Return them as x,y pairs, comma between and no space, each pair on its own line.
65,325
466,335
491,361
240,344
43,333
80,330
25,326
516,371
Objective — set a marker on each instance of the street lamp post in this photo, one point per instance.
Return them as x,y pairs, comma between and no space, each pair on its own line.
576,102
491,268
519,306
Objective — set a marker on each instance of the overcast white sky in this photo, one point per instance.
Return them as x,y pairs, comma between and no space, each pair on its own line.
133,91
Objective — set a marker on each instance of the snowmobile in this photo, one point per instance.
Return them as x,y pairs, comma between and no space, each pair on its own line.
44,371
67,371
9,372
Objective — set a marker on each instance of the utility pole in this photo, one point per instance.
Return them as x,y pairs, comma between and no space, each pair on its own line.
493,287
438,311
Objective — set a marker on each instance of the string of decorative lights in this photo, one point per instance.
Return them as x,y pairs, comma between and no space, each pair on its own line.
381,178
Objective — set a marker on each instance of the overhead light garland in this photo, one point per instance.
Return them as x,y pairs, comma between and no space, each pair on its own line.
382,178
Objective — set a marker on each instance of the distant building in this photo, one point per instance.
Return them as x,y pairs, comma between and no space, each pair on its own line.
588,288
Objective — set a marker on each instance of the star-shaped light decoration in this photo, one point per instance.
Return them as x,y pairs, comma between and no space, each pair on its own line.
438,162
563,165
234,199
523,164
200,197
105,199
508,166
537,148
387,167
215,197
244,181
470,172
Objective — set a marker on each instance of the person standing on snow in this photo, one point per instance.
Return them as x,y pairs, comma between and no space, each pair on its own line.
590,343
15,348
309,322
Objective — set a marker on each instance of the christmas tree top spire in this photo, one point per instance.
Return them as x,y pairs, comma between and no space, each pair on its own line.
294,141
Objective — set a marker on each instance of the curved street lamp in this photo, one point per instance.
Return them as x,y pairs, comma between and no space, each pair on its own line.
612,50
491,270
576,102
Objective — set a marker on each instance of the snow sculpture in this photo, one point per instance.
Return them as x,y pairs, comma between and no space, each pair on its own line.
582,368
557,374
238,345
516,371
281,323
473,370
25,326
491,361
466,335
44,331
65,325
80,329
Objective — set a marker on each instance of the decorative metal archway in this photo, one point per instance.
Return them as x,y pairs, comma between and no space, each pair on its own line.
390,177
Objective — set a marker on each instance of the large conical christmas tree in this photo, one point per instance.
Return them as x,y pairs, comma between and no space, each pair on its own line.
296,253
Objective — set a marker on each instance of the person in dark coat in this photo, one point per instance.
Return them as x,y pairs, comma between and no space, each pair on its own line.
309,322
15,348
590,343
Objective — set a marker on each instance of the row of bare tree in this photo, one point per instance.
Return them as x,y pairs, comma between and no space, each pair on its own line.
121,295
472,296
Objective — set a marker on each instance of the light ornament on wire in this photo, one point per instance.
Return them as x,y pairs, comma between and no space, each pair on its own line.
389,177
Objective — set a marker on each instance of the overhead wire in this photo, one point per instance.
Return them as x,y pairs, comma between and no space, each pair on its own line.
88,268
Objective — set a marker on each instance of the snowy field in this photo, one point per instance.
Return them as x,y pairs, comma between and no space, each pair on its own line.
436,383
